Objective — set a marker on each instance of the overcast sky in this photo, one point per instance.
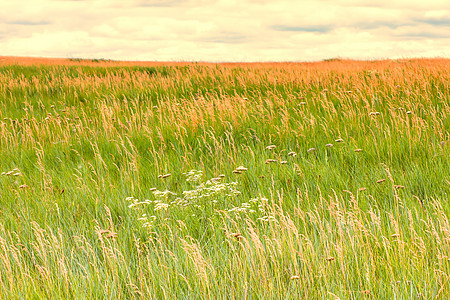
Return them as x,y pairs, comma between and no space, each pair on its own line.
225,30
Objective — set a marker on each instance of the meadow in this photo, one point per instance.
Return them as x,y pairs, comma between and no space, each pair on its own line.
326,180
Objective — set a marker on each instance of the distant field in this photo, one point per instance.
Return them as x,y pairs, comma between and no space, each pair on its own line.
125,180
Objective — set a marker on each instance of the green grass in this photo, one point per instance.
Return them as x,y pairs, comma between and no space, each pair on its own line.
80,140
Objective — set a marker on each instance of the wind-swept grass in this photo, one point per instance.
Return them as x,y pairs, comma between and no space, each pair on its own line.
324,180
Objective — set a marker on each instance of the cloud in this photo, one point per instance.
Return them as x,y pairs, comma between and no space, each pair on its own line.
425,35
159,3
315,29
435,21
227,38
28,23
225,30
368,25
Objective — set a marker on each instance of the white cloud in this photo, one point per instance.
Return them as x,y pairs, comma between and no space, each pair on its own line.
225,30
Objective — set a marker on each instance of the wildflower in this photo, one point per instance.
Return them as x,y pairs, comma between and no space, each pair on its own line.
268,161
266,219
409,112
152,189
221,176
193,176
161,206
331,258
358,150
329,145
163,194
396,235
399,187
374,113
236,172
295,277
339,140
283,162
293,154
271,147
302,103
311,150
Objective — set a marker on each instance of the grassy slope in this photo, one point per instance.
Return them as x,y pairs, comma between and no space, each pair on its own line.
85,138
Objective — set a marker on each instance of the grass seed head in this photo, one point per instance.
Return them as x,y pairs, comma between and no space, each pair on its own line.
293,277
241,168
111,235
271,147
311,150
339,140
292,153
329,145
358,150
270,160
381,180
237,235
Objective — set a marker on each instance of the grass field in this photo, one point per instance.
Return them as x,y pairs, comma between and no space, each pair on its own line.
232,181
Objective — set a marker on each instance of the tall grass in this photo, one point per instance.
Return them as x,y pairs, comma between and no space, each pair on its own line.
98,200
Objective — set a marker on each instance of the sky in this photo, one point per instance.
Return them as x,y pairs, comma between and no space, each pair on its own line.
225,30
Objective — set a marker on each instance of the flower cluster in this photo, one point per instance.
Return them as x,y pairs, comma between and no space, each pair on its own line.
252,206
194,176
202,195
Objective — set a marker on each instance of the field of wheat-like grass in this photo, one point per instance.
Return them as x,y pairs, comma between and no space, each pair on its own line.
326,180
